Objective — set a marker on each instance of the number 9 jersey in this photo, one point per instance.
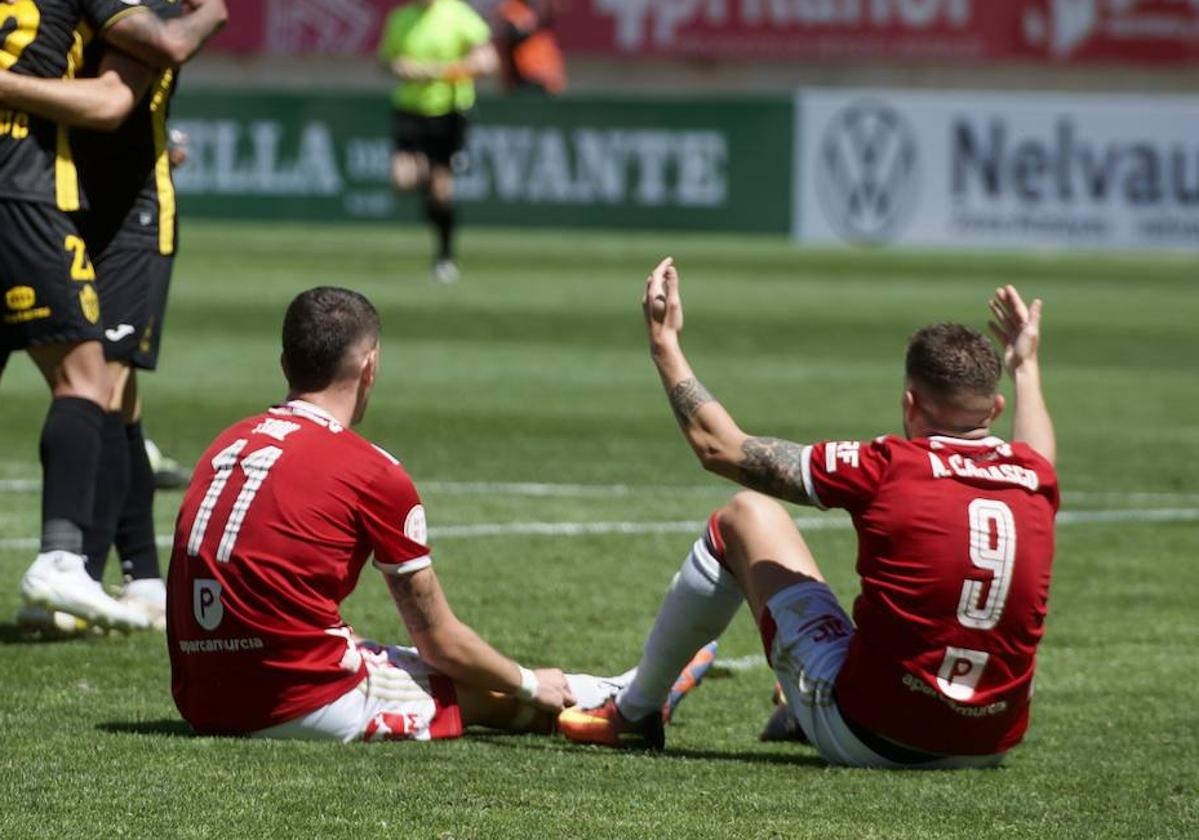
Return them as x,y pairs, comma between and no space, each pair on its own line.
281,515
955,549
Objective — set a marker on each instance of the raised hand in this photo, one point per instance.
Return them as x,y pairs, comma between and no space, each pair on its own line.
1016,326
663,305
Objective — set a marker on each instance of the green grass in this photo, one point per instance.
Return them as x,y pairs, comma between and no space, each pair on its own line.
534,370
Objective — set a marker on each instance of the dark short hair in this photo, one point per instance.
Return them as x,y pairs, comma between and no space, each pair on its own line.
953,360
319,329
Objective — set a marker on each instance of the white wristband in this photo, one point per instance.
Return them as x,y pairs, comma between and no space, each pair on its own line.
529,684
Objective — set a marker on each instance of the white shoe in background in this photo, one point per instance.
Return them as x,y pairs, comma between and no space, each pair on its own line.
58,581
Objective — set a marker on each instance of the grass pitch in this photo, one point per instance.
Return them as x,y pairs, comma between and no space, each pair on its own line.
562,499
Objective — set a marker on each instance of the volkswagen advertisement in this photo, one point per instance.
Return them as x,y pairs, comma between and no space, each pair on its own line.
979,170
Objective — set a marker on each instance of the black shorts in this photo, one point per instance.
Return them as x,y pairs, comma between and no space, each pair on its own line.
437,138
133,296
47,279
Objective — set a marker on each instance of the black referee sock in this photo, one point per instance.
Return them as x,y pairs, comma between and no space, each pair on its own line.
441,216
112,485
135,529
70,455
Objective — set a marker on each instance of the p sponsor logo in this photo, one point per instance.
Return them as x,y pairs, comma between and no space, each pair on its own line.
961,669
206,603
20,298
868,172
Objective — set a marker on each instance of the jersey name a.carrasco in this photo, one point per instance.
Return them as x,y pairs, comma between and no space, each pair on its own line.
955,547
46,39
275,527
126,174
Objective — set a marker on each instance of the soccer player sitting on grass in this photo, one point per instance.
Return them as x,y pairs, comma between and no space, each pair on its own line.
955,544
283,511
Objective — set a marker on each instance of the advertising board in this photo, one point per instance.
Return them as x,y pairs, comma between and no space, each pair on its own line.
619,162
997,170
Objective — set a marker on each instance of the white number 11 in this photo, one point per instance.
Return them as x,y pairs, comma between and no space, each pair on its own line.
256,466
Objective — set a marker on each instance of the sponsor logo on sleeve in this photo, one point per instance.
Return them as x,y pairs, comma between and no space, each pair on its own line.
415,526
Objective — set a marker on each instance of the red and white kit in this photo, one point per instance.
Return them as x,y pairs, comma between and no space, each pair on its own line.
275,527
955,547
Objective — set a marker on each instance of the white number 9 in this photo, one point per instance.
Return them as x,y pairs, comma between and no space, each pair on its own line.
992,547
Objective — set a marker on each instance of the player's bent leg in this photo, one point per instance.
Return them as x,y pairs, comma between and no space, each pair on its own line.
401,699
763,548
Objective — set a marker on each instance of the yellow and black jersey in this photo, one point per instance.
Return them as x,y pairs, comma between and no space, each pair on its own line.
45,38
126,174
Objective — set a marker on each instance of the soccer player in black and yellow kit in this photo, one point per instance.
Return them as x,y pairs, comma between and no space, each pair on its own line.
51,305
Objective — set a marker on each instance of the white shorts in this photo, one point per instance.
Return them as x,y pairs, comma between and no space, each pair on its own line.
811,640
401,699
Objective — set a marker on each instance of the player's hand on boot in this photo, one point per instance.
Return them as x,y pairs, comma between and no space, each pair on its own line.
1016,326
553,692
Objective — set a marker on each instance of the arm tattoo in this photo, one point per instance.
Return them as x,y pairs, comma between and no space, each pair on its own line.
773,466
413,602
686,399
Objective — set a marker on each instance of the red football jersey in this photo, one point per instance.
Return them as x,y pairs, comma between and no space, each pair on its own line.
279,519
955,547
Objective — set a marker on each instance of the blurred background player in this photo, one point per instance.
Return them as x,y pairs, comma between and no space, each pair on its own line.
955,536
530,58
52,307
283,512
435,48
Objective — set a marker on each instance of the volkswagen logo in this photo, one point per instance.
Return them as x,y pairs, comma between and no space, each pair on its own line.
868,172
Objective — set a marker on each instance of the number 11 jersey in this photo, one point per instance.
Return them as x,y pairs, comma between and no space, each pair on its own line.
955,548
281,515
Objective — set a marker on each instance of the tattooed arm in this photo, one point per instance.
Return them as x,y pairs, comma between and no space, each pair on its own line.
455,650
769,465
167,43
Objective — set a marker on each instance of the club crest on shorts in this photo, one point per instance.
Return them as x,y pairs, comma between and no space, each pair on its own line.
89,302
206,603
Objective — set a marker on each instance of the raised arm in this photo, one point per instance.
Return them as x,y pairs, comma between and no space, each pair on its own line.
101,103
769,465
454,649
1018,329
168,43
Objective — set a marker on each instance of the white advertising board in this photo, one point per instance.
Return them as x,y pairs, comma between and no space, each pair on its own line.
961,169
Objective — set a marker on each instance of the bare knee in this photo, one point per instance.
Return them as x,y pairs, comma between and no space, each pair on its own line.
763,547
749,511
408,171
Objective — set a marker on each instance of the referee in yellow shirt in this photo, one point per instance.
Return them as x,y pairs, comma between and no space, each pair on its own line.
435,48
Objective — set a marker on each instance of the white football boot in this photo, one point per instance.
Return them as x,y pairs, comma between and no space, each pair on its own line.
149,597
446,271
58,581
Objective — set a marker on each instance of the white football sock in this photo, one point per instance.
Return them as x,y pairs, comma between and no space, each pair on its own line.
700,603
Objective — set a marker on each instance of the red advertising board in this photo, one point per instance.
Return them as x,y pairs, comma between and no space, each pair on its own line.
1114,31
